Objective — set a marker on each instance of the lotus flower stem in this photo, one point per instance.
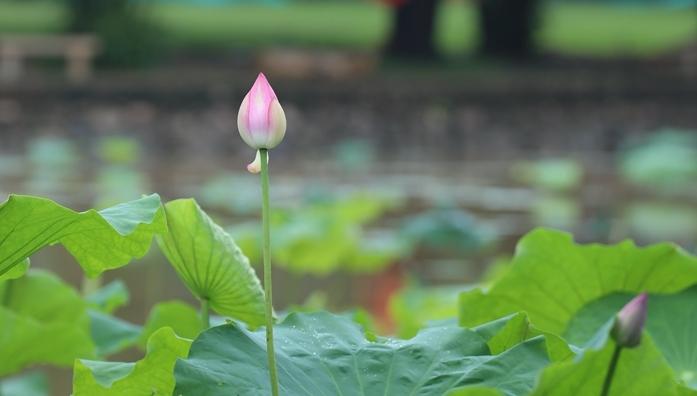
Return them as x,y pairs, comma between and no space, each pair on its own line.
262,125
90,285
611,370
6,293
273,377
205,313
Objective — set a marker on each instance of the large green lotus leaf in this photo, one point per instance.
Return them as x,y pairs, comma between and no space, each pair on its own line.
359,208
16,272
43,320
504,333
247,236
641,371
109,297
375,251
551,278
448,229
474,391
210,263
307,243
99,240
326,236
111,334
151,376
413,306
665,160
550,174
181,317
672,324
325,354
32,384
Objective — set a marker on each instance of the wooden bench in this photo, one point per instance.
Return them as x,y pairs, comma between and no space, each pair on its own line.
78,51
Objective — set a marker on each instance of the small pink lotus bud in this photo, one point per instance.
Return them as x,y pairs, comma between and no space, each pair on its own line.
261,120
629,322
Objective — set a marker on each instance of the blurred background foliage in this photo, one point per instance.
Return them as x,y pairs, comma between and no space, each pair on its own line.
135,32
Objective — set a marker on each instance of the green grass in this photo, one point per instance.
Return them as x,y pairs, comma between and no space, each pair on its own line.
31,17
603,30
585,29
356,25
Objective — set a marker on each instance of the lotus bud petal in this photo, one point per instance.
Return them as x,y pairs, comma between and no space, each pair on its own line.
261,120
255,166
629,322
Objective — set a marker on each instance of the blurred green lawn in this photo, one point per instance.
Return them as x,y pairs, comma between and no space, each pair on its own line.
581,29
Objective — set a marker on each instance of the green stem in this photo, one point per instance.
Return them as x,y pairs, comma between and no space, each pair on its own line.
6,292
90,285
273,377
205,313
611,371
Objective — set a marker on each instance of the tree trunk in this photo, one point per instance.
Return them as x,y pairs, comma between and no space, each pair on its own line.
127,35
507,28
412,29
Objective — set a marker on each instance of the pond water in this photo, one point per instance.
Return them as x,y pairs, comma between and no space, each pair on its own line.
430,189
455,217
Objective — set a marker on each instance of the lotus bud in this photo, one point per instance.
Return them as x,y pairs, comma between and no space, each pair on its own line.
261,120
629,322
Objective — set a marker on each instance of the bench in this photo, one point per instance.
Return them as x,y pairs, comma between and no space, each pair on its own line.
77,50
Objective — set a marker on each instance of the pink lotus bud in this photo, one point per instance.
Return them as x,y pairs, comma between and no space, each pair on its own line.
261,120
629,322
